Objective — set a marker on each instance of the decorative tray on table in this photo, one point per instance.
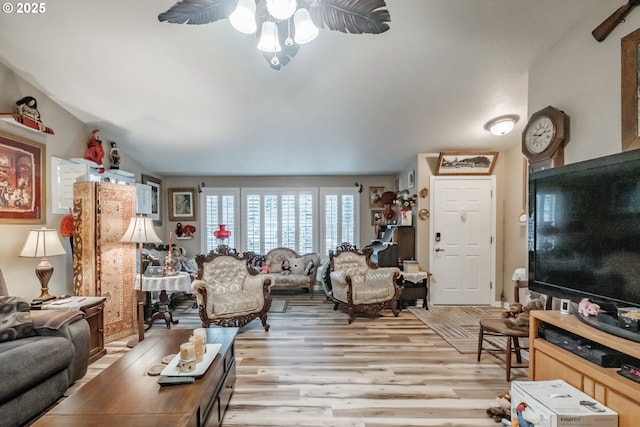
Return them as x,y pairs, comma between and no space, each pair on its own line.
172,369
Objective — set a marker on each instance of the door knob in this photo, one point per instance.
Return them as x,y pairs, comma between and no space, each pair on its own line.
439,250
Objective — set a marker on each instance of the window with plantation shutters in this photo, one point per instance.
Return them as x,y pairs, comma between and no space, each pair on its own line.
260,219
219,206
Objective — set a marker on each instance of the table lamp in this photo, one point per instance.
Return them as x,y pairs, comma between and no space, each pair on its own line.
42,243
140,231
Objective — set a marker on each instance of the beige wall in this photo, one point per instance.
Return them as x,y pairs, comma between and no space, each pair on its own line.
70,140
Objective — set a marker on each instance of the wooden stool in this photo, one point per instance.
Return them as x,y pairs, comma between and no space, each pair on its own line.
497,328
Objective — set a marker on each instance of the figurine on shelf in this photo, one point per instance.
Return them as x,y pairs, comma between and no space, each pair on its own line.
27,113
114,156
95,152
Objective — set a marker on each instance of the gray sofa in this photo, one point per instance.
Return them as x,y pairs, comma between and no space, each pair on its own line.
36,370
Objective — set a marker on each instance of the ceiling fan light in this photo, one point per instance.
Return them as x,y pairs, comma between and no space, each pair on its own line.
502,125
281,9
305,30
269,38
243,17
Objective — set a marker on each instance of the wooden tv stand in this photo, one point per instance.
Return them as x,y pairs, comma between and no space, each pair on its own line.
548,361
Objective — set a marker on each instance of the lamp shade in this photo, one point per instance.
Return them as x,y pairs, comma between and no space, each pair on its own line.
304,27
42,242
281,9
269,38
243,18
140,231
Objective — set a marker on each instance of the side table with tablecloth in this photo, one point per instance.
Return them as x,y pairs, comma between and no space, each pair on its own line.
180,282
413,286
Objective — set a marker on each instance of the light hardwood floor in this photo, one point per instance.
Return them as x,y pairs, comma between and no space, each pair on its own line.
314,369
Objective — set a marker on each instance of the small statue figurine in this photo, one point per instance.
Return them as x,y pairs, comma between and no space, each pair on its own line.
95,152
114,156
265,268
27,113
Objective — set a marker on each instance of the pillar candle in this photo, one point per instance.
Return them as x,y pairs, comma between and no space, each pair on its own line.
201,332
187,351
198,346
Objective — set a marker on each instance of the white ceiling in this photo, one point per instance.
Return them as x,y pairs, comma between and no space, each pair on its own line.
202,100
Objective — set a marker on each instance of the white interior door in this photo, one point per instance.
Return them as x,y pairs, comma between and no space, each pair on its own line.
462,245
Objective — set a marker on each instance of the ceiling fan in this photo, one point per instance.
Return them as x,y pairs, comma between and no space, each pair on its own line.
347,16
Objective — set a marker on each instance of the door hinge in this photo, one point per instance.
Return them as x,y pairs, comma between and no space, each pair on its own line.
490,285
491,240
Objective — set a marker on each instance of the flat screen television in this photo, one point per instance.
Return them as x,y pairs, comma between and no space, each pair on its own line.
584,234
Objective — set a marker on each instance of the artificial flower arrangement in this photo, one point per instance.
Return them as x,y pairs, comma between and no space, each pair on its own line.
406,201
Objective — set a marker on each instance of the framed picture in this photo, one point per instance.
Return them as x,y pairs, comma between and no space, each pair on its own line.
411,179
630,85
156,197
376,217
375,195
182,204
22,181
466,163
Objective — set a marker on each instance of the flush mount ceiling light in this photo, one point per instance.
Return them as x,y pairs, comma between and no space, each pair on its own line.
502,125
281,26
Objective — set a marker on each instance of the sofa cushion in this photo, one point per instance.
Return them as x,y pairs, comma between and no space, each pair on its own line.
27,362
291,279
297,265
15,319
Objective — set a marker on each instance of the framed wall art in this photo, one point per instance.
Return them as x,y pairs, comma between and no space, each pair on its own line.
376,216
375,194
22,181
182,204
466,163
630,86
156,197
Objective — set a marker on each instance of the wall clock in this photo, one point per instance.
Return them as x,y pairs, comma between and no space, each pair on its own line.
544,138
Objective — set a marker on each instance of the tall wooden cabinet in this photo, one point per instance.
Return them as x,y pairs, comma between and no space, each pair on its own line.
548,361
102,266
405,239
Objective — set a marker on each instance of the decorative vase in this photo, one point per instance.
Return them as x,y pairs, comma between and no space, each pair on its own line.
222,233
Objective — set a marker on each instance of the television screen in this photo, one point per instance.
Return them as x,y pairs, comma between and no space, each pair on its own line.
584,230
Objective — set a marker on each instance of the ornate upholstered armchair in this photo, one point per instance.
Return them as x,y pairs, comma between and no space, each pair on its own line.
360,284
228,292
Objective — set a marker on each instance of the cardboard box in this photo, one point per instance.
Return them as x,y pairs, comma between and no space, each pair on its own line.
410,266
557,404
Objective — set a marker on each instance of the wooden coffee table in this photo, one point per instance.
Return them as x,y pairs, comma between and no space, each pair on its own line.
124,395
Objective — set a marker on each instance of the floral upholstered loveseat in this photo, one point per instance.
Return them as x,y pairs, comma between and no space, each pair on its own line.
302,273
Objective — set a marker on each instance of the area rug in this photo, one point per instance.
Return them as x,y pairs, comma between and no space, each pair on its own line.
459,325
278,305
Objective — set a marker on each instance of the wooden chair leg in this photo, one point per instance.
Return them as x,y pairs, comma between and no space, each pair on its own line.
480,339
508,358
517,348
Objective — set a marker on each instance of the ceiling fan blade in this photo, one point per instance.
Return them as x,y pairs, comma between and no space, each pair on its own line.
197,12
351,16
602,31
